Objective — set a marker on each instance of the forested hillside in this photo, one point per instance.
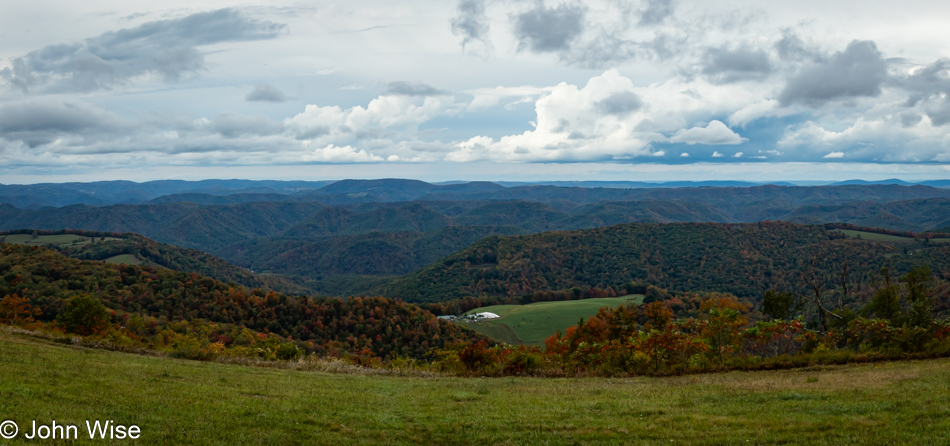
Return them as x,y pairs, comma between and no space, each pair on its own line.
328,239
742,259
182,224
150,301
372,253
134,248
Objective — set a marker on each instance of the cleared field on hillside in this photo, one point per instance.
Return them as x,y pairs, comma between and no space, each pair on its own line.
875,237
187,402
533,323
886,238
57,239
127,259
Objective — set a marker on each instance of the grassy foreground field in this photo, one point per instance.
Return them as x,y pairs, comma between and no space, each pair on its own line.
533,323
186,402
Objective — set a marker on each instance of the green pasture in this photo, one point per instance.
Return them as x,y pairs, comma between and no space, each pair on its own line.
16,239
875,237
201,403
58,239
885,238
127,259
533,323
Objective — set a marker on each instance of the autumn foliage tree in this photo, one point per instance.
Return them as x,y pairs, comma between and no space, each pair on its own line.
720,326
16,310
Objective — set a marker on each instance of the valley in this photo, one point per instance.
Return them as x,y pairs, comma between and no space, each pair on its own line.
619,310
352,237
572,268
475,222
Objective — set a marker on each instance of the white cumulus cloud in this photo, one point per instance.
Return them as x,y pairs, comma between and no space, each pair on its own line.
715,133
597,121
345,154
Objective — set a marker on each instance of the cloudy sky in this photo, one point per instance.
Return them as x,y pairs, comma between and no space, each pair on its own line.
475,89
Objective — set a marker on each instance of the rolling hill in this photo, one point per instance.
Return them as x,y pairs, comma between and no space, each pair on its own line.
190,303
138,250
741,259
348,230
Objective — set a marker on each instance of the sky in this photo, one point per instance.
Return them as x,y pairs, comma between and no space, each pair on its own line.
642,90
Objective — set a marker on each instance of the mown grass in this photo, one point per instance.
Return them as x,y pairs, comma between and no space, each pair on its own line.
187,402
128,259
57,239
886,238
495,330
533,323
18,239
875,237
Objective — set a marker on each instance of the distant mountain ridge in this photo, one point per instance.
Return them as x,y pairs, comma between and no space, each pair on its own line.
104,193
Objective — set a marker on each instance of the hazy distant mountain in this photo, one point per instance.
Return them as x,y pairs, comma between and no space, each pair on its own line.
395,190
119,192
863,182
192,197
637,184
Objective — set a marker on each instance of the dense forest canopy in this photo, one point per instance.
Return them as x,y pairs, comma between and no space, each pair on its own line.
161,297
742,259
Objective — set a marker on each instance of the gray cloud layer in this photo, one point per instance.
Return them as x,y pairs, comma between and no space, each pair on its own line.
857,71
265,93
930,86
402,88
621,103
726,65
791,47
656,12
544,29
167,49
471,22
234,125
40,122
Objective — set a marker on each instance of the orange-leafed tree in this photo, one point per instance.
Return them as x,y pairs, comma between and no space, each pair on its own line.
722,318
659,315
16,310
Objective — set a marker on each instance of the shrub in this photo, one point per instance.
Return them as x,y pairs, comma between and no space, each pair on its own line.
83,315
288,352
